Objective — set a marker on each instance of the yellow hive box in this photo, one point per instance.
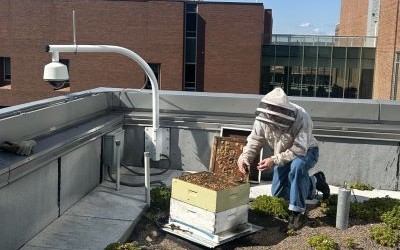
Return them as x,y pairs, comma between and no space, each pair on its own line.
208,199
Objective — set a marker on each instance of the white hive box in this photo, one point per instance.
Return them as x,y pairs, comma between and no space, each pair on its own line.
206,221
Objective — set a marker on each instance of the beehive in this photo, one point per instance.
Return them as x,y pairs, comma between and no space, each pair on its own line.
210,191
224,156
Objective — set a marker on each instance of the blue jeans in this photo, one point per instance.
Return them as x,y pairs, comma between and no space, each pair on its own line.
292,182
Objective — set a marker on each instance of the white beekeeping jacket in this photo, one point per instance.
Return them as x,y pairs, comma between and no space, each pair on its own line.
287,142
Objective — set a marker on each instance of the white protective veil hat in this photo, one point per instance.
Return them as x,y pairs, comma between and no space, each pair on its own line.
278,98
271,106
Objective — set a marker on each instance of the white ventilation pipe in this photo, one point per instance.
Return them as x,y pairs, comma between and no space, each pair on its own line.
118,181
343,208
147,177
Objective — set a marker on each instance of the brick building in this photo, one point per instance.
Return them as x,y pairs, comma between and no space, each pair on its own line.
377,18
193,46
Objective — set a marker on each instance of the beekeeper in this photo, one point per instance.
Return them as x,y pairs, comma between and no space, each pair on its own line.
287,129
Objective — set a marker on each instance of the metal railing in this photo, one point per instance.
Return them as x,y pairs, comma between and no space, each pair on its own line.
316,40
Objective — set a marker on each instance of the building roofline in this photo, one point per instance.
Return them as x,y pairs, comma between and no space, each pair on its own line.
198,2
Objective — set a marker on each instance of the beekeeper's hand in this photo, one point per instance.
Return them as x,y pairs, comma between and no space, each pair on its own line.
19,148
243,165
265,164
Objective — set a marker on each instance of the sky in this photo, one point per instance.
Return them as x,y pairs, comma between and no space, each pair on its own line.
304,17
301,17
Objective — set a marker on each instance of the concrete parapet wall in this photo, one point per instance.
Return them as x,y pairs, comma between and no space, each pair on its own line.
80,173
370,162
358,111
359,139
27,206
47,116
64,167
31,203
389,111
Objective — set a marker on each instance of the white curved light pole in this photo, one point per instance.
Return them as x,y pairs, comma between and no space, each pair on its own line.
56,49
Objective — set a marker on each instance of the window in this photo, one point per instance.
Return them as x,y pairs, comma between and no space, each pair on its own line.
191,24
7,69
190,74
156,70
5,72
190,59
191,8
190,50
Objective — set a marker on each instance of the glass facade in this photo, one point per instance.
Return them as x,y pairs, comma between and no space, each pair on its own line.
319,66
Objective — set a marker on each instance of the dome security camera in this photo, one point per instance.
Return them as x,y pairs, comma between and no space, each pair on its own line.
56,74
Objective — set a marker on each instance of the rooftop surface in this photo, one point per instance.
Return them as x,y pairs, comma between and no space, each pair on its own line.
105,215
65,179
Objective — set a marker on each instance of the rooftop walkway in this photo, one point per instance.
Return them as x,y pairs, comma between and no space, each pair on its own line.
105,215
102,217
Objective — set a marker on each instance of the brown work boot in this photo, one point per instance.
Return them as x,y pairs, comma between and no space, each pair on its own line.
297,220
321,185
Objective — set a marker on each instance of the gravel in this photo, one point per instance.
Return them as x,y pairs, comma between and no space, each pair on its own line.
271,237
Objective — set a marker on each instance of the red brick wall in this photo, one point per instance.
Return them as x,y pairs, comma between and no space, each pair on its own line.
153,29
233,38
353,18
388,42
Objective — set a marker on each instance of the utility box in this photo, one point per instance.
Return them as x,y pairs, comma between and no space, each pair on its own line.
110,149
164,140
